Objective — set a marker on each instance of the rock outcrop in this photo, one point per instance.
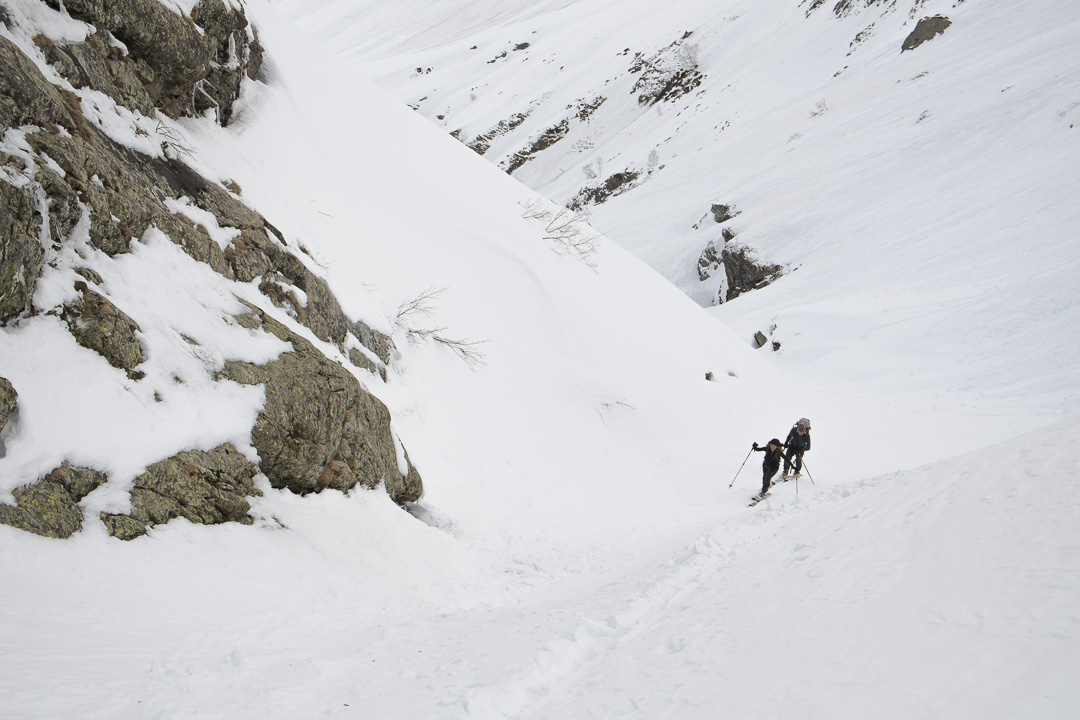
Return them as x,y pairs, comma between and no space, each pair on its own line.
125,191
66,181
669,74
617,184
318,428
208,488
21,253
722,213
180,65
50,507
9,400
100,326
744,272
927,29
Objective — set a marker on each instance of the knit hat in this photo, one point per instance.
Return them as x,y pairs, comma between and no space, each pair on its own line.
774,441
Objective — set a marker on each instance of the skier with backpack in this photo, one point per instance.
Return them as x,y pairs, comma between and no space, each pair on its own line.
797,443
773,454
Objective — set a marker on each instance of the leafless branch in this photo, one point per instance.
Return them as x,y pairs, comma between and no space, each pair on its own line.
467,350
408,315
173,140
567,230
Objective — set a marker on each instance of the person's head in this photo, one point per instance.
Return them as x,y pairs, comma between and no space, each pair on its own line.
774,443
800,429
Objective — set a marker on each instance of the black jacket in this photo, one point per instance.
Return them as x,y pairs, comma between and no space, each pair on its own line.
772,457
798,443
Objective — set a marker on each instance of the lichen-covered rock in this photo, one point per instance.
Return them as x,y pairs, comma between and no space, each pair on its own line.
65,210
99,65
100,326
8,402
169,44
181,65
361,361
124,191
234,55
90,275
208,488
26,97
50,507
253,255
318,428
378,343
21,253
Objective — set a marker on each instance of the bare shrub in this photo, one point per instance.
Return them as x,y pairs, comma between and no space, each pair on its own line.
409,317
173,140
567,230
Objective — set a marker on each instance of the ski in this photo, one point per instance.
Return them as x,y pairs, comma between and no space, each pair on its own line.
758,498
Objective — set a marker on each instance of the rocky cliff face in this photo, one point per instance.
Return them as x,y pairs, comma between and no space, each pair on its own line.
65,182
180,65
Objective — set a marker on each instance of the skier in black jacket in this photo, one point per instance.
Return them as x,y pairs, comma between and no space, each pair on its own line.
798,442
773,453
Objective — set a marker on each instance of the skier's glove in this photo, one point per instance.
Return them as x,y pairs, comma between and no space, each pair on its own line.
755,446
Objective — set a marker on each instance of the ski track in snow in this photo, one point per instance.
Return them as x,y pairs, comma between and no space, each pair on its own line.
593,639
660,618
578,561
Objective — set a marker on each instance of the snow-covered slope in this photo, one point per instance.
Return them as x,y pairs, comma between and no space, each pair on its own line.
927,193
583,548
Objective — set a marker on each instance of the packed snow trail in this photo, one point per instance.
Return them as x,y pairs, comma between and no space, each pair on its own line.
947,591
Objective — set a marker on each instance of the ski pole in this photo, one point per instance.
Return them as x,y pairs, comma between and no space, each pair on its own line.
741,467
808,472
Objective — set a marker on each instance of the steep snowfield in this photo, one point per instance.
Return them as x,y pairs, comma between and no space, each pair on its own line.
578,552
927,194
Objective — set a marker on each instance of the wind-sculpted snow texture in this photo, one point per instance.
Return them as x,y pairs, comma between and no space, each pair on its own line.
583,547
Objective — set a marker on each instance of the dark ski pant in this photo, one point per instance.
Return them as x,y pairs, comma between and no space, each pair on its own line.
767,473
793,455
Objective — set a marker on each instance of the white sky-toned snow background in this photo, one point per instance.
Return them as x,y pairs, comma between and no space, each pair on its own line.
579,552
